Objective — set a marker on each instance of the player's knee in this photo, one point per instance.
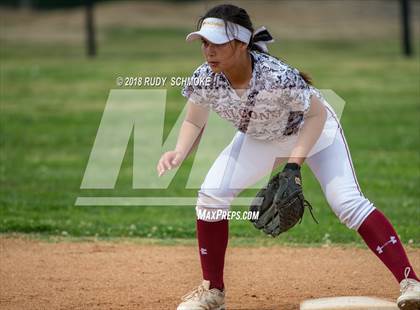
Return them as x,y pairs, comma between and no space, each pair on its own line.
214,204
350,208
216,197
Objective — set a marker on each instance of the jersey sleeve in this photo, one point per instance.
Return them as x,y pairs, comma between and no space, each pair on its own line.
294,95
194,89
296,91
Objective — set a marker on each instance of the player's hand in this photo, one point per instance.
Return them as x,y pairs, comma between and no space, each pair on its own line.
169,160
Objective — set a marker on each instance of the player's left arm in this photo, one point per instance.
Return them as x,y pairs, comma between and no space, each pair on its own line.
310,131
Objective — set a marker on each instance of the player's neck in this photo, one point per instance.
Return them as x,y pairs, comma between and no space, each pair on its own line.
240,74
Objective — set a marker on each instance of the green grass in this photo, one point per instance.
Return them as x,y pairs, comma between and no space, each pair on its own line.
52,99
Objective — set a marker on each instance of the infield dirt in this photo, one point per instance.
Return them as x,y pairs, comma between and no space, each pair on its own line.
36,274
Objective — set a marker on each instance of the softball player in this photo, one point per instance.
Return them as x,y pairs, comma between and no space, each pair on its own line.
281,118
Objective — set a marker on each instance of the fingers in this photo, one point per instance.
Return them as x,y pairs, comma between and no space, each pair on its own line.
166,163
161,166
160,169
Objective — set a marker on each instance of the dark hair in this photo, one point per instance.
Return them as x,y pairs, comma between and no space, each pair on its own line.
237,15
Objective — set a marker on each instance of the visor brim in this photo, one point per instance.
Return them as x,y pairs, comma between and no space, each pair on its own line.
211,36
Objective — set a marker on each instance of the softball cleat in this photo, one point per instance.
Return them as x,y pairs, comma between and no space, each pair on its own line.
203,298
410,293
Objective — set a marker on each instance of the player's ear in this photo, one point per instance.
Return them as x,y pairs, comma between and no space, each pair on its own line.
241,45
237,45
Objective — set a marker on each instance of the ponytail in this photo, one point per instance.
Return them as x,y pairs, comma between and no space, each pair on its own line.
307,78
258,43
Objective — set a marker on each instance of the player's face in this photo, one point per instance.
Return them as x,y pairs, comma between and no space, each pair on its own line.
221,57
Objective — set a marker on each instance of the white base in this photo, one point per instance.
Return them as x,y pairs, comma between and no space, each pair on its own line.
348,302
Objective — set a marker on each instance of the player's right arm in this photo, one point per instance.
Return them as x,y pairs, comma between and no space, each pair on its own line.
189,134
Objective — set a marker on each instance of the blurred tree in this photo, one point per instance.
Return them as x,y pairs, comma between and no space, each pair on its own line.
90,29
406,27
25,4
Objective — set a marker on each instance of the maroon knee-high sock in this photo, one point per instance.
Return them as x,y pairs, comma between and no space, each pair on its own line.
212,243
382,239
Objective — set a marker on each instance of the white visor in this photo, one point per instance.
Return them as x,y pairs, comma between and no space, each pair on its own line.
213,30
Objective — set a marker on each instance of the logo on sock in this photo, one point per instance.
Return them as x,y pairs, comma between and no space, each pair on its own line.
203,251
392,240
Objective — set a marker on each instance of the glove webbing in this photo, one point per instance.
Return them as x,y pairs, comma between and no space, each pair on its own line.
309,206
